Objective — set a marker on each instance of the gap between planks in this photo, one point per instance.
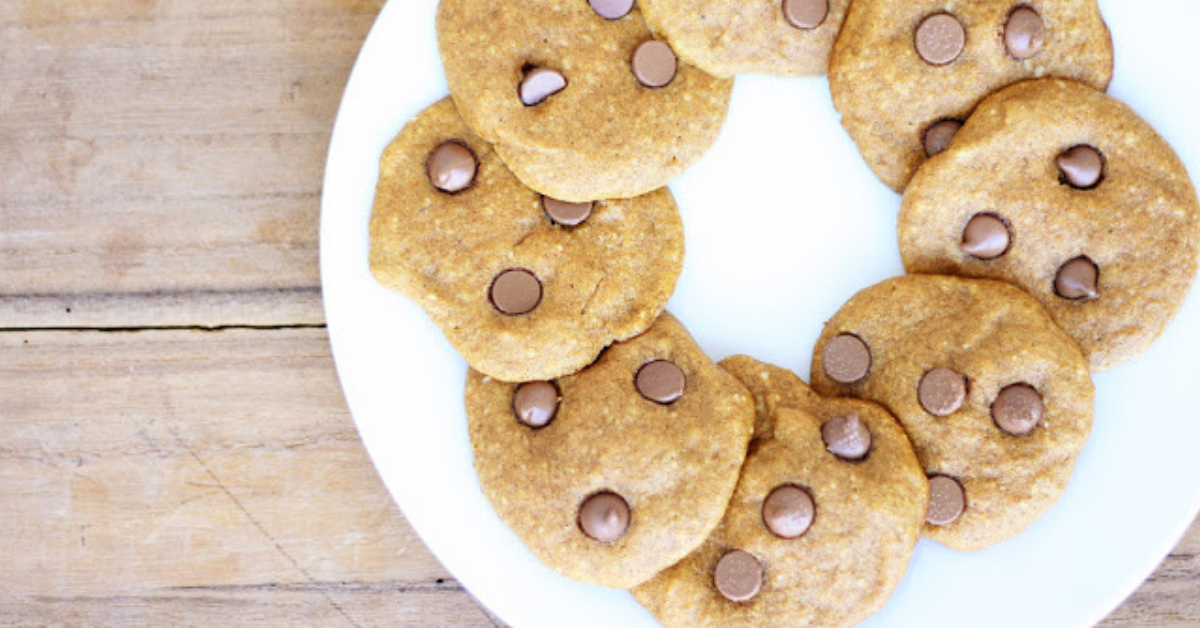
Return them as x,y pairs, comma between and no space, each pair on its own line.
266,308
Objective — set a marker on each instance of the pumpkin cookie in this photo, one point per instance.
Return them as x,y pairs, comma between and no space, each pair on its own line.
524,286
619,471
905,75
581,100
821,527
1084,206
995,397
792,38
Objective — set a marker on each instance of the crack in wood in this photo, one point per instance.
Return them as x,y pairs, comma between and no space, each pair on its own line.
150,294
149,309
259,526
49,458
387,586
134,330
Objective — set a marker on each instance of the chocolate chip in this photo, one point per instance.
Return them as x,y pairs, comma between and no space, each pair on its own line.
540,84
938,135
515,291
611,9
1081,167
1018,409
846,359
947,500
1024,34
986,236
654,64
1078,279
604,517
805,14
847,437
451,167
660,381
566,214
738,576
940,39
788,511
942,391
535,403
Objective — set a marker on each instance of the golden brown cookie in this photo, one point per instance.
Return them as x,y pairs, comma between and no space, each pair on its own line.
792,38
995,397
524,286
614,473
904,75
581,106
1083,205
822,524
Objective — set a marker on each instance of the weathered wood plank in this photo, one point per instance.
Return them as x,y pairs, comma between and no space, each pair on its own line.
163,214
187,476
132,462
327,605
152,146
258,308
1191,541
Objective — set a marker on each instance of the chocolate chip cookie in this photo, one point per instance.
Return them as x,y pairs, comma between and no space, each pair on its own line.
995,397
581,100
525,286
905,75
619,471
792,38
1083,205
821,527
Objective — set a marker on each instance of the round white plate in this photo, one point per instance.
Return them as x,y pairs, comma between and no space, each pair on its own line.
784,222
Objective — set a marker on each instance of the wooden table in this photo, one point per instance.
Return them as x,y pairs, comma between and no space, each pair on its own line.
174,446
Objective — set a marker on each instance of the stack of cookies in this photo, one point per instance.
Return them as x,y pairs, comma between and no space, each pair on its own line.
1050,232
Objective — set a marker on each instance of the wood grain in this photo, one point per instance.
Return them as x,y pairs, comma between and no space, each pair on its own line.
194,463
1170,597
148,473
155,146
332,605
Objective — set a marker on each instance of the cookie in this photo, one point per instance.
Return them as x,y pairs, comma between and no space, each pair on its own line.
1084,206
821,526
619,471
524,286
580,99
995,397
792,38
905,75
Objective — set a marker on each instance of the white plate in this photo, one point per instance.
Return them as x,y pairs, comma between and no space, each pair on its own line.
783,223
